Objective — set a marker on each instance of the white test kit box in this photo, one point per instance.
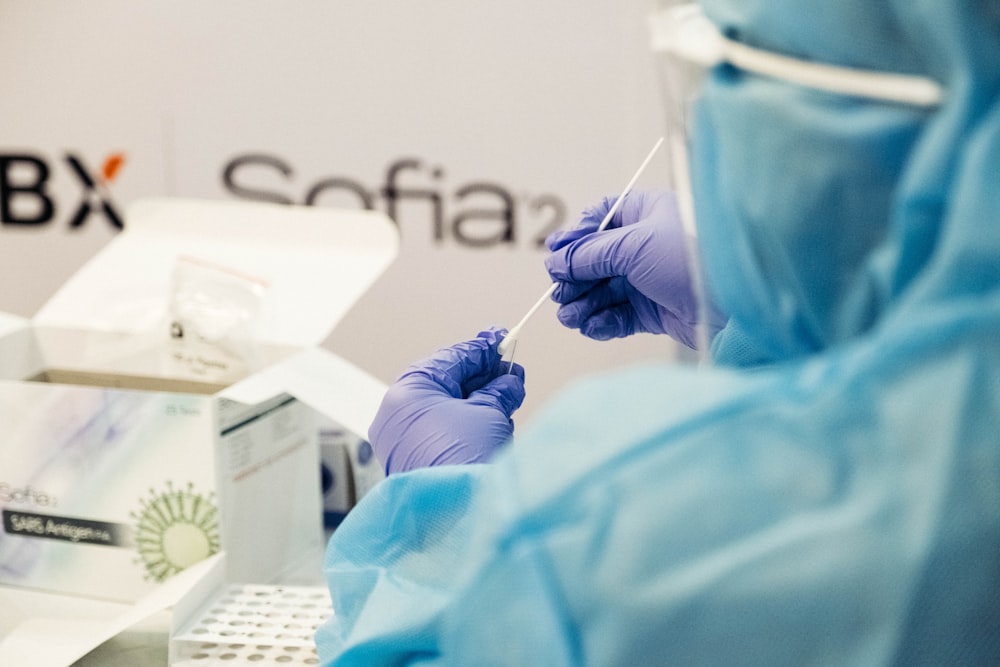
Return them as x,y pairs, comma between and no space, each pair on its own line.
130,448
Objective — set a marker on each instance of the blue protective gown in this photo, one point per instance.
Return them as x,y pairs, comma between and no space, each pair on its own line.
829,494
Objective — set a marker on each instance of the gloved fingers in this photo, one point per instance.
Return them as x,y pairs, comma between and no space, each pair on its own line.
638,206
602,313
597,256
516,370
605,294
615,322
563,237
575,313
590,220
504,393
559,239
460,368
501,369
567,292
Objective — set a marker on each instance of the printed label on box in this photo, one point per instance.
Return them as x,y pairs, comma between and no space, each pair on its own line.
103,492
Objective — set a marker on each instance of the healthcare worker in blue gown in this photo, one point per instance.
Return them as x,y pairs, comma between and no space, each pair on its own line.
828,492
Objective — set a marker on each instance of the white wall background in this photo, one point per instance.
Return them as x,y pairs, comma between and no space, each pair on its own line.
555,99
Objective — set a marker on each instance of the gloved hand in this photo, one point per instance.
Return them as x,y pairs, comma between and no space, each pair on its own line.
452,408
632,277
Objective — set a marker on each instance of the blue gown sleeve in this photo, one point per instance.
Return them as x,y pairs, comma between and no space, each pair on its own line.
734,348
418,557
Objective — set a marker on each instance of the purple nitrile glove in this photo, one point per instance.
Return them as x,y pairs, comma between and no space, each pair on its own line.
632,277
452,408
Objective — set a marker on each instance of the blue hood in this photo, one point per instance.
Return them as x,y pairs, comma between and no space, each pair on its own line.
824,217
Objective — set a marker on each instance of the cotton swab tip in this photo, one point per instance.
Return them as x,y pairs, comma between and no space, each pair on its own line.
509,341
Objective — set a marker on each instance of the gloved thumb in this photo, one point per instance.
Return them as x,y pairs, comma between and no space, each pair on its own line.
504,393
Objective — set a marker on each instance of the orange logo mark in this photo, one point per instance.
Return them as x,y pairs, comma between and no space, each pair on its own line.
112,165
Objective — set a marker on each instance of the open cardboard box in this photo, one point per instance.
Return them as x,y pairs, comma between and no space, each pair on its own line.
124,457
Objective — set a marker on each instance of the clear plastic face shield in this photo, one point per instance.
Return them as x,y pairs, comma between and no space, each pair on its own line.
687,46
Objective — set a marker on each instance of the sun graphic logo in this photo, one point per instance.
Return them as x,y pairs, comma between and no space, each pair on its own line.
175,529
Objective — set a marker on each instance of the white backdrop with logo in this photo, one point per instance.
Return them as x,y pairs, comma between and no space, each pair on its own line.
478,125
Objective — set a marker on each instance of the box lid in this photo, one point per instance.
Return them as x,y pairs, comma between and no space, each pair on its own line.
322,380
315,262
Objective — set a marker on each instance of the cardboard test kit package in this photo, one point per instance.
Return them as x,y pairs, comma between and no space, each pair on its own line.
162,406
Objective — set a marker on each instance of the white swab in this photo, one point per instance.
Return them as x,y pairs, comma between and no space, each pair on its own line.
510,340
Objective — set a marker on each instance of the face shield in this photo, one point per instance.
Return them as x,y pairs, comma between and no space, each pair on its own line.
688,46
